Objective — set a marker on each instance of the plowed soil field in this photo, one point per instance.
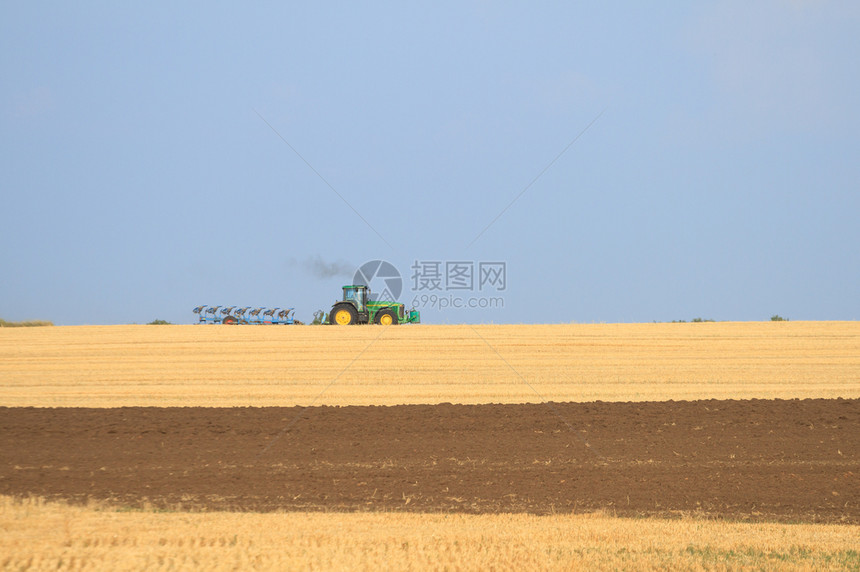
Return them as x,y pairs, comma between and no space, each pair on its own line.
787,460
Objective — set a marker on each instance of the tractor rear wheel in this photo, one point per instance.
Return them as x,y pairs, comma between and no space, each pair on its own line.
386,318
230,321
343,315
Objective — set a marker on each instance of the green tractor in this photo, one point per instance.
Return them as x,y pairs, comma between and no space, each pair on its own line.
355,308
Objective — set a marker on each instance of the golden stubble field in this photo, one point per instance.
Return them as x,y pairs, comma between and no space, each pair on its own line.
51,536
209,365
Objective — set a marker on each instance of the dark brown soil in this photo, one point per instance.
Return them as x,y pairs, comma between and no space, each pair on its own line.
796,460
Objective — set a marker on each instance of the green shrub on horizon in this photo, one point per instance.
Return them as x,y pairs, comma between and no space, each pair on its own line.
26,324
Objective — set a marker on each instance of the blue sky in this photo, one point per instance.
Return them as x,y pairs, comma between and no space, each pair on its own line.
156,157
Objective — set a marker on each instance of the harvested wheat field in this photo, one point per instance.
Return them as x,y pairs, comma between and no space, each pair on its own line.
231,366
706,445
50,536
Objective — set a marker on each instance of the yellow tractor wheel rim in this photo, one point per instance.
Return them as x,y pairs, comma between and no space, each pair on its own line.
386,320
342,317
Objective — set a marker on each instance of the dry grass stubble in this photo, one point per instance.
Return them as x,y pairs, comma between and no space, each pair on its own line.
205,365
38,535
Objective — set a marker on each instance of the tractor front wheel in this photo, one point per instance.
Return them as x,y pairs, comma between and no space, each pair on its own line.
343,316
386,318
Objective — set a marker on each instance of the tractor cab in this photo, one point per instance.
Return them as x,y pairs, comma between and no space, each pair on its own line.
357,294
353,308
